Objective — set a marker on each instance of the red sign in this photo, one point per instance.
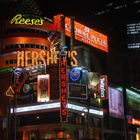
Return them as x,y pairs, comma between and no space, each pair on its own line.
103,87
83,33
63,89
134,121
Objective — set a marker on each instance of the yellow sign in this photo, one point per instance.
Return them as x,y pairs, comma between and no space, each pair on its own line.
10,92
43,57
19,19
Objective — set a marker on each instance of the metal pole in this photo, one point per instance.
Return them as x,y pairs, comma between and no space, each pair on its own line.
15,123
87,118
102,128
126,132
72,33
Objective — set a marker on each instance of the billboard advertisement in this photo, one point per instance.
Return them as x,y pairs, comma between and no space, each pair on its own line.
43,88
77,91
115,103
133,103
133,35
83,33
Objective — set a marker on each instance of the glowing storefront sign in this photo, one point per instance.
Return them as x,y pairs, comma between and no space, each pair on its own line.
56,105
103,87
43,88
115,103
134,121
21,19
42,57
75,74
63,89
83,33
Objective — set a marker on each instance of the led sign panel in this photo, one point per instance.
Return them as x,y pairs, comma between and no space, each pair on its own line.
77,91
133,35
83,33
57,105
133,102
115,103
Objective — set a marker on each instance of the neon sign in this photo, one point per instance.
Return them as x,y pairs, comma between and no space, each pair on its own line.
75,74
10,92
42,57
63,89
19,19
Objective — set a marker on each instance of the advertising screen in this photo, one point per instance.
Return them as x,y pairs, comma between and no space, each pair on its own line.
77,91
133,35
43,88
115,103
133,103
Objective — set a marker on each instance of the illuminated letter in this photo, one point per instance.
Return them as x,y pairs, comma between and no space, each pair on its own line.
56,56
20,58
34,58
64,112
27,58
74,62
49,58
21,21
27,21
41,22
16,18
42,53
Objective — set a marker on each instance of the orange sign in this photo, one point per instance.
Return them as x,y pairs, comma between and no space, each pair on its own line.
83,33
134,122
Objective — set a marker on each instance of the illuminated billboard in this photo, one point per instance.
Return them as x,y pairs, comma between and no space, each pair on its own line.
43,88
83,33
77,91
115,103
133,35
133,103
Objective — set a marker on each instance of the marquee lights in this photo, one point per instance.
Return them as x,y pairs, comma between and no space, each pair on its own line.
57,105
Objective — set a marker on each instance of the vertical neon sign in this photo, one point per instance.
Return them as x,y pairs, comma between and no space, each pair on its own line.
63,86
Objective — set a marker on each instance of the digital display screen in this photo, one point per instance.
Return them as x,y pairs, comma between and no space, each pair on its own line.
77,91
115,103
43,88
133,103
133,36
